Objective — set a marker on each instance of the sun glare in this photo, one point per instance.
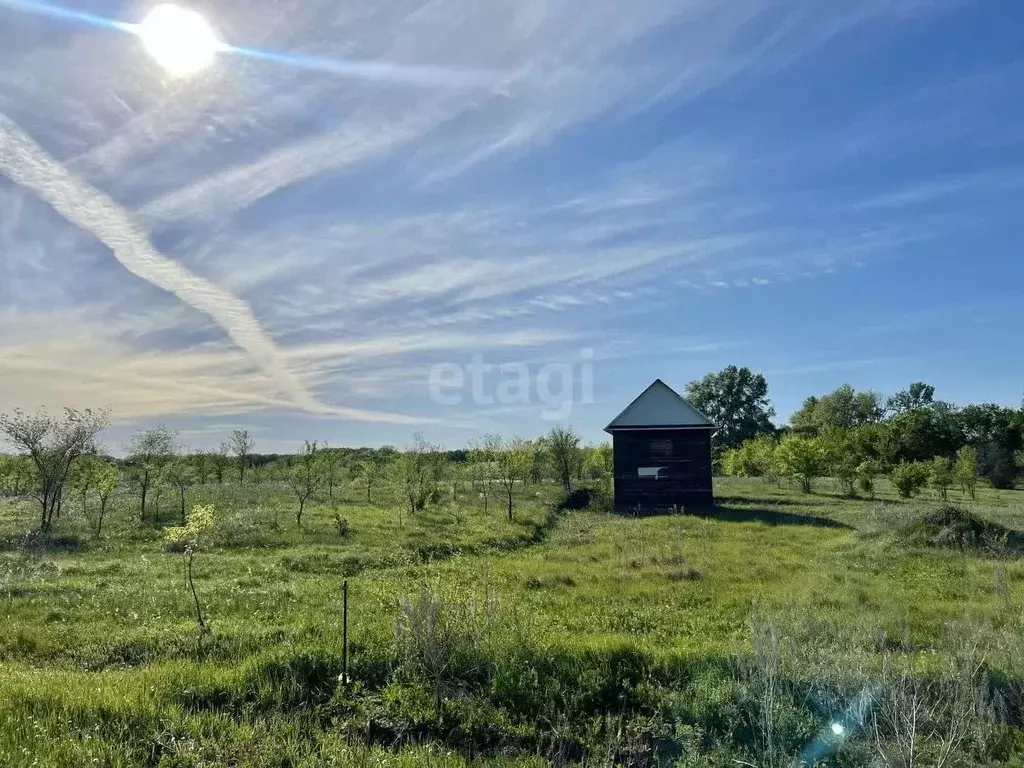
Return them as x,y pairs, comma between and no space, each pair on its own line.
180,40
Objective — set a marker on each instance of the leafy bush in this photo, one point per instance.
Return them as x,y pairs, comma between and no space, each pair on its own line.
342,524
909,477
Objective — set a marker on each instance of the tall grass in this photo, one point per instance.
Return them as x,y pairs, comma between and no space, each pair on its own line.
566,636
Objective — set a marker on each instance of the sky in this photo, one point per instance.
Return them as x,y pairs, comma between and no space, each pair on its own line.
495,217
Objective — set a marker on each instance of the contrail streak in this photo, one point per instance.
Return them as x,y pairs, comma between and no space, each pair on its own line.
28,164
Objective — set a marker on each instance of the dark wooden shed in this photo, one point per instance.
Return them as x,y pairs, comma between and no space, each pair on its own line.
662,448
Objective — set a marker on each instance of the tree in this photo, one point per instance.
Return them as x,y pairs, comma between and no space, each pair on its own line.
105,481
482,455
755,458
917,395
841,458
566,455
54,444
332,470
942,475
918,435
305,477
998,433
736,400
420,472
242,444
370,472
513,464
909,477
801,459
180,475
966,469
219,462
17,475
188,536
202,463
600,465
83,476
842,408
148,451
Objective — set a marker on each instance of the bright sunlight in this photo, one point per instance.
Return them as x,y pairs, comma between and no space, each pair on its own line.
180,40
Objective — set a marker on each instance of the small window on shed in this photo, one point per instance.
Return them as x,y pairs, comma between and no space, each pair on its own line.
650,473
661,447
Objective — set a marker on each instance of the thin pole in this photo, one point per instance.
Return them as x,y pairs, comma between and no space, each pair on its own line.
344,634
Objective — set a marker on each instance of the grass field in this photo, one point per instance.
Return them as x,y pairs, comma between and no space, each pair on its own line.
783,627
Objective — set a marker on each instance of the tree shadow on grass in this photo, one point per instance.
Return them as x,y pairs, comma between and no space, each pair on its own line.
40,542
775,501
751,514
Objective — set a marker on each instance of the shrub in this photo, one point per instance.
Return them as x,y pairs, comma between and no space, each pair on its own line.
342,524
866,472
909,477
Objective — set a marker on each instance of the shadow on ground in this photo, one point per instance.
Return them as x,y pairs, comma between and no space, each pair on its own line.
767,516
775,501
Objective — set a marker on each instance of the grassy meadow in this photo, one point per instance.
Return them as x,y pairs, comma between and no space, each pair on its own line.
783,628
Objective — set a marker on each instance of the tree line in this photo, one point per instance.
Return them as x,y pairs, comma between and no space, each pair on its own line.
60,462
855,436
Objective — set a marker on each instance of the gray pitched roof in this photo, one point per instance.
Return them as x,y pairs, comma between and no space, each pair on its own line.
659,406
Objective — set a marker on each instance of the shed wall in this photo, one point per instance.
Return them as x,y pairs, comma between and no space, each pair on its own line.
659,469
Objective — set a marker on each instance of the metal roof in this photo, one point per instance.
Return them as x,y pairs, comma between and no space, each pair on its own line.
660,406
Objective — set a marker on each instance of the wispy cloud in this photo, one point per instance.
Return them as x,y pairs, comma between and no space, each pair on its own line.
632,178
26,163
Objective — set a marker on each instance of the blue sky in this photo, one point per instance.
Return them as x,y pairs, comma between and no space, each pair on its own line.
823,191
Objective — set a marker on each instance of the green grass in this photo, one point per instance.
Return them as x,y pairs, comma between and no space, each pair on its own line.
564,636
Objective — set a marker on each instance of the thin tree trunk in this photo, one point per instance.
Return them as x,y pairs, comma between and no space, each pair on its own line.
298,517
184,518
510,504
99,519
195,597
142,505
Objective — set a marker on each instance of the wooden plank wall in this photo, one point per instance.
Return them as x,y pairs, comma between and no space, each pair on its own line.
685,481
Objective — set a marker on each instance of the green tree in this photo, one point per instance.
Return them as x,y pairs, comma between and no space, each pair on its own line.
842,408
736,400
755,458
54,444
841,458
967,469
801,459
179,473
565,455
242,444
83,478
918,435
17,475
917,395
148,451
305,477
371,472
105,482
909,477
943,475
482,455
513,464
600,465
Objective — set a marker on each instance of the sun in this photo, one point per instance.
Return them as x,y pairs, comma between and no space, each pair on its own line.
179,39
